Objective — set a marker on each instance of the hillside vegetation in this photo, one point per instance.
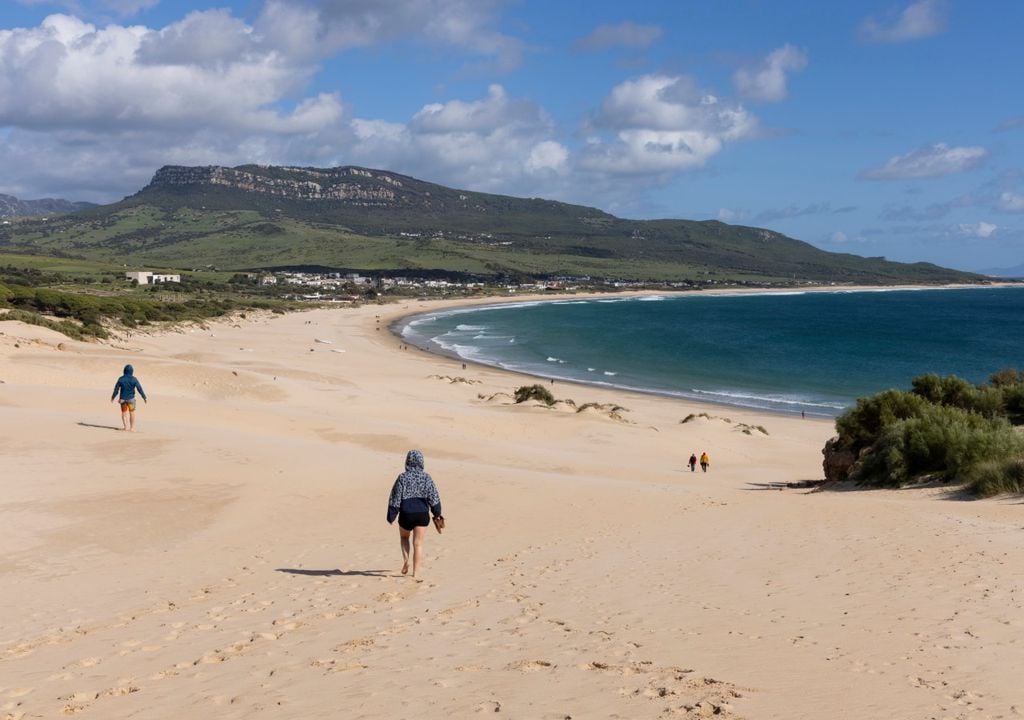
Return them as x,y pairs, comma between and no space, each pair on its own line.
359,219
40,298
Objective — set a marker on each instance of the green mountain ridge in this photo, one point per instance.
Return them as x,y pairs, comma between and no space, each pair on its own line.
12,207
255,216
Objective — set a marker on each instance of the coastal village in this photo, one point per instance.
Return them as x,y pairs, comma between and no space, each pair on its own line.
338,287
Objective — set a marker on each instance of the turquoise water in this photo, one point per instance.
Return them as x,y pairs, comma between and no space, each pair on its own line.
812,352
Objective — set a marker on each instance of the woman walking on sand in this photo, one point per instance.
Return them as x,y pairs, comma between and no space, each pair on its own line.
413,498
126,386
704,461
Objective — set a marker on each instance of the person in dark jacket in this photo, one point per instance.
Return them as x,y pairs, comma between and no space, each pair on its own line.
125,387
413,498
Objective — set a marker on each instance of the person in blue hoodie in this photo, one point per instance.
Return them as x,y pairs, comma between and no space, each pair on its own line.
125,387
413,498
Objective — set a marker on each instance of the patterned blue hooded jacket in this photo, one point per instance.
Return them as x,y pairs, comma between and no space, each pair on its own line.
414,490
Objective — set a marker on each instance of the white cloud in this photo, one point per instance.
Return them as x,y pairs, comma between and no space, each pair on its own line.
921,19
329,26
625,34
547,156
1011,202
663,124
67,74
929,161
91,111
839,237
979,229
495,143
727,215
766,81
201,38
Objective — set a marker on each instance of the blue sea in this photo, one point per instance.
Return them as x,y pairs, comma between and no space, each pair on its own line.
811,352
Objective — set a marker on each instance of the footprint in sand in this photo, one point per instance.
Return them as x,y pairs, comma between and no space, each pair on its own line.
920,682
354,645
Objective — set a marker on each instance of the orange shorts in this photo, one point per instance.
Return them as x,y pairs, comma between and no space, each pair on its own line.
128,406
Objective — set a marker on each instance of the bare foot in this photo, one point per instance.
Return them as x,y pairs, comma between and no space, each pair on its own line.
405,569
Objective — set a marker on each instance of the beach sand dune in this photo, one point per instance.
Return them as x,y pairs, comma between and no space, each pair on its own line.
231,558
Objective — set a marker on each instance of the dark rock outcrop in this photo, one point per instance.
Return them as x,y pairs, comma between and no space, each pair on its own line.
838,460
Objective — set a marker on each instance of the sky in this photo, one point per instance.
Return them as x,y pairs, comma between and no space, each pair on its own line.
875,127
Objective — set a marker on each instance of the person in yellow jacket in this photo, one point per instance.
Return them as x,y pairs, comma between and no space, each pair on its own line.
704,462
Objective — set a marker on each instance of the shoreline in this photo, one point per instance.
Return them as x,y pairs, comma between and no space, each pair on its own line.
397,326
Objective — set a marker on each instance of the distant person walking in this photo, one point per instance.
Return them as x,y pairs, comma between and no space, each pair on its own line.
693,463
704,461
125,387
413,498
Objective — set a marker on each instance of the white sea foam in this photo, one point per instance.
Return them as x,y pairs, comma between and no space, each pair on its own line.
610,373
774,399
471,328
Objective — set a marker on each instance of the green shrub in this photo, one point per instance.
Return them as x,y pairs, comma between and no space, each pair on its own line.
534,392
957,392
941,441
860,426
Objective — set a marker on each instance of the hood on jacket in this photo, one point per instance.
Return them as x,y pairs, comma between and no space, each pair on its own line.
129,370
414,460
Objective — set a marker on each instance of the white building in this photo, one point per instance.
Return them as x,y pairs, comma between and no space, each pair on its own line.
143,277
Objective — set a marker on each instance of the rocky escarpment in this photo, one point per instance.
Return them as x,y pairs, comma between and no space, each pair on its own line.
349,184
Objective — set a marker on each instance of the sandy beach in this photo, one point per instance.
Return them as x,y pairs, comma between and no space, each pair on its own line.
231,559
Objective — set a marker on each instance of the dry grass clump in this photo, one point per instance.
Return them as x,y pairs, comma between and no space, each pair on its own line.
455,379
693,416
997,477
534,392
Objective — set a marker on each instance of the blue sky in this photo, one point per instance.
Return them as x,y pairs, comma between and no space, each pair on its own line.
878,127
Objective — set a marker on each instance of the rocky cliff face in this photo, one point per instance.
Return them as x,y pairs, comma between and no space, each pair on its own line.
349,184
12,207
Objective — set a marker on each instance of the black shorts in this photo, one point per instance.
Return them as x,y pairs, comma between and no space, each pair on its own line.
408,521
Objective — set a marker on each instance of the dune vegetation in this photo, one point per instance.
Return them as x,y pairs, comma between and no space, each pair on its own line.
942,429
